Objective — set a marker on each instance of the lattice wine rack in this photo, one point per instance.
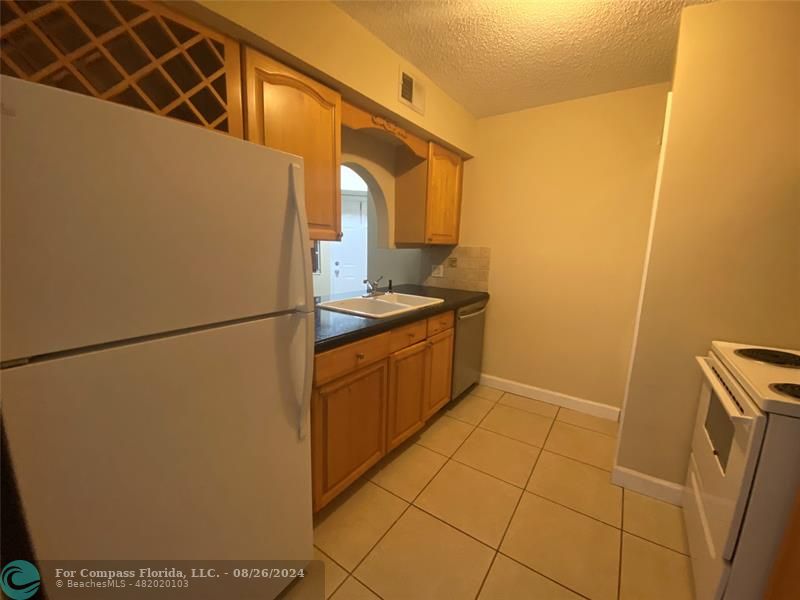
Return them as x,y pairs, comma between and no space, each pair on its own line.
135,53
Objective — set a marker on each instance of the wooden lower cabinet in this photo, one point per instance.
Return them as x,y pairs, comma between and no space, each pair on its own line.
348,429
360,412
440,368
408,383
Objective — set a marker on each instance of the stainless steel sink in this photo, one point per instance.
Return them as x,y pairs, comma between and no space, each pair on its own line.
379,307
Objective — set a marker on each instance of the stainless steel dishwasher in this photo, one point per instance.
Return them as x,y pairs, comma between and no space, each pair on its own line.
468,353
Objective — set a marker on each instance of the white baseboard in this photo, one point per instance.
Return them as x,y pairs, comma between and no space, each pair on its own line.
604,411
660,489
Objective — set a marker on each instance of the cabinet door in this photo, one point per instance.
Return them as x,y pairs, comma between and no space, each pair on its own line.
291,112
443,210
348,429
140,54
440,368
407,389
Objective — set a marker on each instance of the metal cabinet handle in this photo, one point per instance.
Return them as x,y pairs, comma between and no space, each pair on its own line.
360,356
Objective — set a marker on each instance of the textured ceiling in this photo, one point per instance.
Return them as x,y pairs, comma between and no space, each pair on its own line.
496,56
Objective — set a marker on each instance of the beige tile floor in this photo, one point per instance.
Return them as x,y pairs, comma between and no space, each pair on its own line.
506,498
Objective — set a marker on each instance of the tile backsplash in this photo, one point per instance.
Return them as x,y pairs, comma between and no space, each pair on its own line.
463,267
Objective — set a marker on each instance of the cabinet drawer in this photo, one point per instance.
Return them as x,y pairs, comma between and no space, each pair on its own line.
440,323
339,361
402,337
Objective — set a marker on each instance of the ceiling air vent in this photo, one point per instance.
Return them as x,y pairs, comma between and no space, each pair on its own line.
412,93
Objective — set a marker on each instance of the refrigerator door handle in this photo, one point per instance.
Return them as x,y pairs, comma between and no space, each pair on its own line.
297,190
307,356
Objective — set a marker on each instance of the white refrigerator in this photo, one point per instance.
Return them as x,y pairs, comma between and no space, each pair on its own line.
157,334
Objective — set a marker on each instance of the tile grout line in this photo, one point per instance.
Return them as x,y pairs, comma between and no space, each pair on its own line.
508,437
582,428
530,412
558,583
553,418
524,490
486,575
348,574
559,408
575,510
519,500
579,461
660,545
516,507
412,503
405,510
528,443
527,483
408,505
377,595
500,542
521,489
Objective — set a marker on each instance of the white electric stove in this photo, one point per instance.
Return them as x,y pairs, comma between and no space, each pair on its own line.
744,468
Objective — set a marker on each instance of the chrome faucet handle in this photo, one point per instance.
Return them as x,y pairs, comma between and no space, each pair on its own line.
372,286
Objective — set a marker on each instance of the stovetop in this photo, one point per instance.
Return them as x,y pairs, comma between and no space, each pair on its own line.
771,376
779,358
790,389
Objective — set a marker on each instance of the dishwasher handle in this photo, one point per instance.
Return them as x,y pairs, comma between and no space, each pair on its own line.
472,314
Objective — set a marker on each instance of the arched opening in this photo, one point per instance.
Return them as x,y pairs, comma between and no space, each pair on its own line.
366,250
341,267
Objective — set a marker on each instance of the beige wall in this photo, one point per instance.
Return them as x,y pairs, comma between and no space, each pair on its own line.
327,39
562,195
726,247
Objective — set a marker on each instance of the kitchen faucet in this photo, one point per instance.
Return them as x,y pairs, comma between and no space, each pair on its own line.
372,287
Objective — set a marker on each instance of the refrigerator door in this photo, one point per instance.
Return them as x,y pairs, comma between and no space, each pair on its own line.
116,224
184,447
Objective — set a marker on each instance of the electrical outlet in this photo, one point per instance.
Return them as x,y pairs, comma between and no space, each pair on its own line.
452,262
437,271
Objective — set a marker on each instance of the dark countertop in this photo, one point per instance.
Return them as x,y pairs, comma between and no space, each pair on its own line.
334,329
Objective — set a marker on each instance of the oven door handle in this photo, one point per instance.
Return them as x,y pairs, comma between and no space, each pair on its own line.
732,410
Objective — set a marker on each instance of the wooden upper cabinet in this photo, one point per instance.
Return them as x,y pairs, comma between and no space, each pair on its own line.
140,54
443,213
291,112
428,197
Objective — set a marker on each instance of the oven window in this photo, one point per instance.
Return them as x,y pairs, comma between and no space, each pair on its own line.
719,428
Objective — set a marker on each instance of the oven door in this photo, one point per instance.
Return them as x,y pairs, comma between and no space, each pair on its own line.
725,447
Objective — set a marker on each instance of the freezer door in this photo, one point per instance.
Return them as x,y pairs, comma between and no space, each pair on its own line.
184,447
117,224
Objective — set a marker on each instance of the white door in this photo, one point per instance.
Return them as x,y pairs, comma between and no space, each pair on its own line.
349,257
184,447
